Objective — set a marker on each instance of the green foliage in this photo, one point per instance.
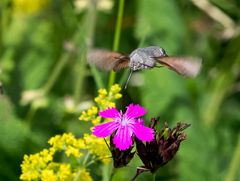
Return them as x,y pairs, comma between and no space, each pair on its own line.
153,21
45,52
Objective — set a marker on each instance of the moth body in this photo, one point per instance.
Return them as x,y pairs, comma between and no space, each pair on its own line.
143,58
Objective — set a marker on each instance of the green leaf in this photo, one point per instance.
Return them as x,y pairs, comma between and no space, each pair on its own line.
161,87
160,23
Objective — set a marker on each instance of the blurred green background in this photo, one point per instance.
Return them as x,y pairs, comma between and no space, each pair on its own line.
47,82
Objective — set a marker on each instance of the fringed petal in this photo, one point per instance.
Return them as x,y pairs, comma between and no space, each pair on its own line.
110,113
143,133
105,129
134,111
123,138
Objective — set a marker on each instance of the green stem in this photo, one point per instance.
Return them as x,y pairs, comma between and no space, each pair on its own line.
97,77
5,15
56,72
86,37
118,25
95,160
31,112
117,38
80,74
106,169
112,173
1,29
86,158
76,178
235,163
153,176
142,41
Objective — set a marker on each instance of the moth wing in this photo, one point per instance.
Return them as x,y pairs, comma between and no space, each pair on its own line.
186,66
122,63
107,60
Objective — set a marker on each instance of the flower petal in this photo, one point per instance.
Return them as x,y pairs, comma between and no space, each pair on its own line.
143,133
134,111
123,138
105,129
110,113
140,121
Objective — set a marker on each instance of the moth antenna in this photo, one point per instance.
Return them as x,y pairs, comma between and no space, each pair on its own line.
129,76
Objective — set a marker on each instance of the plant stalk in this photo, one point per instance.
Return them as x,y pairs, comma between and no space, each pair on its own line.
235,163
116,40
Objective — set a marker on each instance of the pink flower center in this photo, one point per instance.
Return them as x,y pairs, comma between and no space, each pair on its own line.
124,121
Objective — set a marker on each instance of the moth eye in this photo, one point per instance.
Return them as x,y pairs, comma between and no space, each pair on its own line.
163,52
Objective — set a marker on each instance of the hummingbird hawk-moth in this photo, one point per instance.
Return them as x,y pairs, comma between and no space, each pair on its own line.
144,58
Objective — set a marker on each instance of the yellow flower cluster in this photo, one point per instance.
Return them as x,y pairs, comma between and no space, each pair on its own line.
97,146
28,6
40,166
56,171
68,143
90,114
33,164
104,100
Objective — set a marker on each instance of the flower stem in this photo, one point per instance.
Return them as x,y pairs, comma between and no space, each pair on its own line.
117,38
77,175
106,171
153,176
31,112
86,158
55,73
112,174
235,163
80,72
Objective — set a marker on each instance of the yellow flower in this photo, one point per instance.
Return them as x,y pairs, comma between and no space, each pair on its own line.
115,89
98,147
65,172
33,164
82,175
117,96
96,120
28,6
106,99
102,92
70,150
48,175
68,143
85,175
57,171
89,114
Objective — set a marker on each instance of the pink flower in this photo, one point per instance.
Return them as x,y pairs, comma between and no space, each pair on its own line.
126,125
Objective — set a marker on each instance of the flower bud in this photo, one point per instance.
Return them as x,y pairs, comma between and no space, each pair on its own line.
162,149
